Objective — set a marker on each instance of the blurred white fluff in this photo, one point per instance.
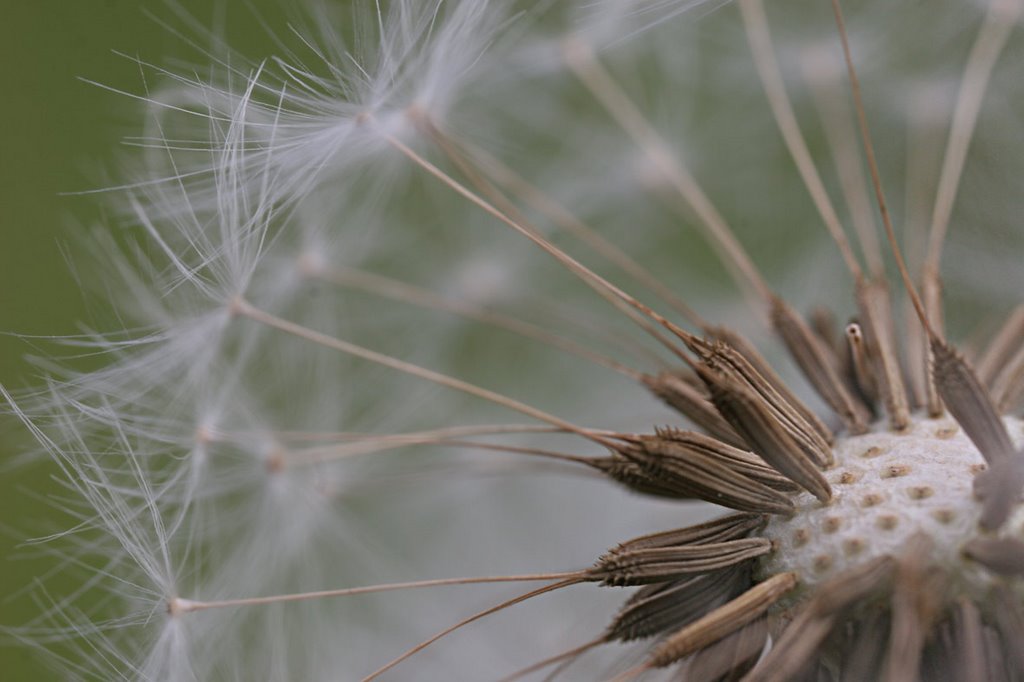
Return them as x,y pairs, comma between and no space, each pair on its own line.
320,110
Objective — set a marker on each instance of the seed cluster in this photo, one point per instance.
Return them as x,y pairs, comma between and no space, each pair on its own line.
887,488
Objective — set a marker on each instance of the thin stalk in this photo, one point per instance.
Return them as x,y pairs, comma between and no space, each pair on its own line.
180,606
604,88
760,41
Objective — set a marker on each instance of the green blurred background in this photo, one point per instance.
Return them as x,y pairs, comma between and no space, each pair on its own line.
59,134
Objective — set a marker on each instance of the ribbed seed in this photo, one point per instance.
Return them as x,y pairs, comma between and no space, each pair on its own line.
742,460
692,404
728,363
724,620
751,418
655,609
624,567
635,477
721,529
762,367
819,367
705,476
969,403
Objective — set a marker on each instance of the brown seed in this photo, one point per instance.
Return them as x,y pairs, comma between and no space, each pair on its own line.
750,353
999,489
823,322
624,567
741,460
969,403
733,368
721,529
700,474
654,609
876,323
723,621
751,417
818,366
729,657
802,639
846,589
692,404
633,476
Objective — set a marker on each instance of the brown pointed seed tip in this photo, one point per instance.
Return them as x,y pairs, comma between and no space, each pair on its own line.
740,459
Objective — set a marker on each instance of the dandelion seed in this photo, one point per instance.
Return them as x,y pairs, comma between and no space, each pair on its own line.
230,459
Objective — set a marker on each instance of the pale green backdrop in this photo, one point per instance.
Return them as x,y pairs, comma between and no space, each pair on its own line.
59,134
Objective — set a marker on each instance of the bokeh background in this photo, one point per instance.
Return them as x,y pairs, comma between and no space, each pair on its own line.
59,135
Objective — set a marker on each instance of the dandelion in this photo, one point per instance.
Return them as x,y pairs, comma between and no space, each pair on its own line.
321,241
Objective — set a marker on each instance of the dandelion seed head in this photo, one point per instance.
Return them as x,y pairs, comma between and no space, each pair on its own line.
350,257
889,487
